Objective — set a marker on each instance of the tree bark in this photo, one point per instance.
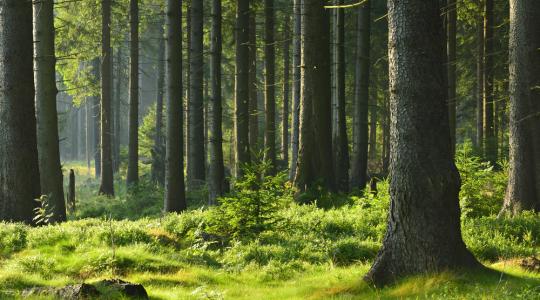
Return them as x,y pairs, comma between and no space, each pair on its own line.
216,183
423,234
175,198
522,191
158,167
361,98
270,85
47,116
297,36
253,92
19,167
133,148
314,167
286,95
242,152
196,168
490,143
107,181
451,20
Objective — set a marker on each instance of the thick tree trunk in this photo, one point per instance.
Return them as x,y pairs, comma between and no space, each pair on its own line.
158,155
423,234
361,98
295,132
286,78
522,190
253,89
451,19
196,168
270,85
47,117
19,167
490,143
133,148
107,182
175,198
314,167
341,142
242,152
480,79
216,180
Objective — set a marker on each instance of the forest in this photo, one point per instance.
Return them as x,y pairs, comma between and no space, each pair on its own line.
270,149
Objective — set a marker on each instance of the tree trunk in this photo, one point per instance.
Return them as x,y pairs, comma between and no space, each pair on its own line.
314,167
361,107
297,32
423,234
117,113
216,183
253,92
107,183
270,85
158,155
242,153
196,168
286,78
373,114
133,148
19,167
451,19
480,79
175,198
490,143
71,191
522,191
89,127
47,117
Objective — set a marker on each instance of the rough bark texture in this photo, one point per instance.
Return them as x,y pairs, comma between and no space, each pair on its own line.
133,148
295,130
241,124
107,182
196,168
451,19
423,233
490,143
286,92
314,167
19,167
340,141
216,180
158,155
361,98
480,79
522,190
270,84
47,117
175,198
253,91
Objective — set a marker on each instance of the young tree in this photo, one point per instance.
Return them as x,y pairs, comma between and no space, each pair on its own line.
107,182
216,180
297,32
133,149
19,167
270,84
423,233
242,153
196,168
361,98
314,166
47,116
175,198
523,191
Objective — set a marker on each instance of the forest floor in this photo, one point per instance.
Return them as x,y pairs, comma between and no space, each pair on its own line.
316,253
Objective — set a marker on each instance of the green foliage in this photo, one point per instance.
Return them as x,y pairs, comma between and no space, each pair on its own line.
44,211
482,188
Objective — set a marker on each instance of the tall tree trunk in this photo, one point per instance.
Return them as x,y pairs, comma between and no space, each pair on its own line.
19,167
373,114
341,142
253,84
186,105
423,233
107,182
286,94
297,32
451,19
490,143
315,148
522,191
116,110
242,153
270,85
196,168
216,183
361,98
158,155
133,149
175,197
480,79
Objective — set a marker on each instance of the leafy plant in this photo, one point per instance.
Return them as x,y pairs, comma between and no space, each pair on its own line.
44,212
